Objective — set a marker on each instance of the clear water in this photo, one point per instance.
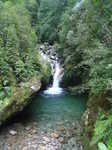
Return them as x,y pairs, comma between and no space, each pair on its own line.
51,110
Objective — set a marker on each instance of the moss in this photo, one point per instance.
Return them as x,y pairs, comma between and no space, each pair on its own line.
19,99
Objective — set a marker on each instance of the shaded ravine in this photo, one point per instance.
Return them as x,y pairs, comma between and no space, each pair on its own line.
50,122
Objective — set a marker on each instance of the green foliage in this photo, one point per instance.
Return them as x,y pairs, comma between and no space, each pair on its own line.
19,57
85,39
49,15
82,37
100,73
85,47
103,130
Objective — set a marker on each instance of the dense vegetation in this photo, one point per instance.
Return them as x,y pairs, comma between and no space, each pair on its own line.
82,35
19,52
86,47
49,15
83,39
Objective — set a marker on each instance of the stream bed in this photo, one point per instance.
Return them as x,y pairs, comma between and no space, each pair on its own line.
50,122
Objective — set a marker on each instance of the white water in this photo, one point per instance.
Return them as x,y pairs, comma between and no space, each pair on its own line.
55,88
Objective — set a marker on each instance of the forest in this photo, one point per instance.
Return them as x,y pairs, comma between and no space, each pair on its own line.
80,31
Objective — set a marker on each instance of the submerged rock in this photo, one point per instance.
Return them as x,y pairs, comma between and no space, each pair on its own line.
62,140
55,135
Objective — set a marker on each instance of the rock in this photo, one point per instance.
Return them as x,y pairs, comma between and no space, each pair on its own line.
41,147
19,99
61,140
42,47
52,57
69,133
55,135
25,148
8,148
12,132
34,146
34,131
27,128
36,86
70,130
46,139
62,129
29,135
73,124
72,141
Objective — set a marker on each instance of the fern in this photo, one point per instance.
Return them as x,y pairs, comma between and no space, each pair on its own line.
102,128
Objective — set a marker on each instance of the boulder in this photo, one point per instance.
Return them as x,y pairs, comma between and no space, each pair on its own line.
12,132
20,98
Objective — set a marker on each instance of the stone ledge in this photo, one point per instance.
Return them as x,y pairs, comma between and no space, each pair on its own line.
20,98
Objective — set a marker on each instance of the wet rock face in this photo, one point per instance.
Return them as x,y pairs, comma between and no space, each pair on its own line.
50,52
19,100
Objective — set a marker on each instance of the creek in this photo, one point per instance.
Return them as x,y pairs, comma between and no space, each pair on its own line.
52,110
54,105
50,122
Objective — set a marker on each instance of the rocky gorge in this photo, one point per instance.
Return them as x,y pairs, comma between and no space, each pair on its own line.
30,135
56,74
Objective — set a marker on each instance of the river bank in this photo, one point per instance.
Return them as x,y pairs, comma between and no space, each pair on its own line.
48,123
20,136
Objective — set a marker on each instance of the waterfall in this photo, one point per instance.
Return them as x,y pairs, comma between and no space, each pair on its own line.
56,78
55,88
48,54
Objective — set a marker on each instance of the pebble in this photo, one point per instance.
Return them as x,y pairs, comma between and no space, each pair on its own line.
61,140
12,132
29,135
62,129
69,134
46,139
55,135
34,131
34,146
25,148
27,128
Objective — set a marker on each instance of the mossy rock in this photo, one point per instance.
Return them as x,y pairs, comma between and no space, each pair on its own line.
20,98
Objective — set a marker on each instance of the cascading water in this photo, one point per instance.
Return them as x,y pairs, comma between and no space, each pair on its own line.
55,88
56,77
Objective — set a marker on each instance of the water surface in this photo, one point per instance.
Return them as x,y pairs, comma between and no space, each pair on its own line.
51,110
